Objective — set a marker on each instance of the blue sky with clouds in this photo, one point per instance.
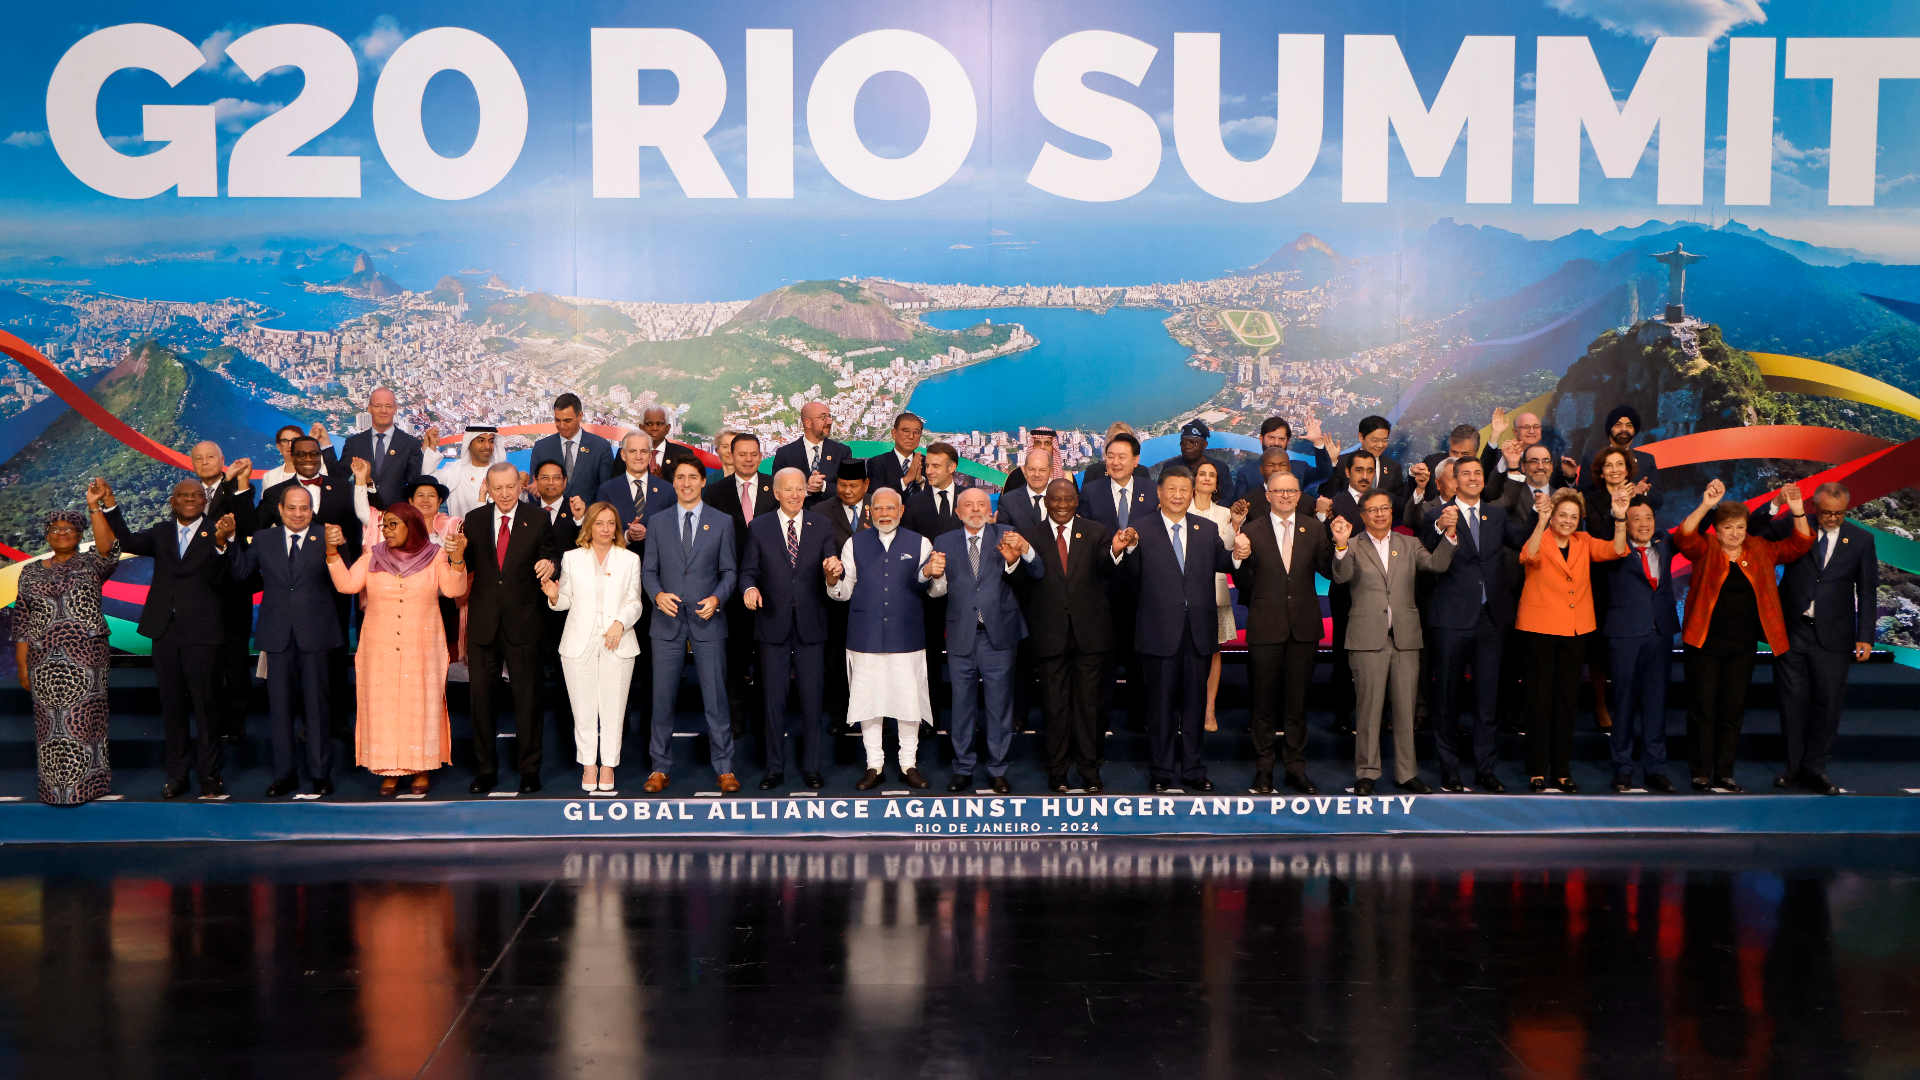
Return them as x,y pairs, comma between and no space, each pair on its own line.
986,223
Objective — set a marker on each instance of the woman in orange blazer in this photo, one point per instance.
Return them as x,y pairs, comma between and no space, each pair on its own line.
1555,620
1726,614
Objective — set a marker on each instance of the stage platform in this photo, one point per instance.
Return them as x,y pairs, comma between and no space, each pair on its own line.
1877,761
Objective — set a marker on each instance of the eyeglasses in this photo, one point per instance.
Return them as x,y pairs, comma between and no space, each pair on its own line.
1284,493
1378,510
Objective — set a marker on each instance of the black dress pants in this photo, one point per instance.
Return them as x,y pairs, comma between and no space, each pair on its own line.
1718,674
523,671
1176,707
185,675
1278,676
1553,679
1339,603
1812,682
1070,692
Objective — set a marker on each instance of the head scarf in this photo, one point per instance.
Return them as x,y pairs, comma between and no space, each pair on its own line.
72,517
416,554
466,443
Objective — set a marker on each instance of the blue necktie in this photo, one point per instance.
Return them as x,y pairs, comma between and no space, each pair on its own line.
1473,529
686,534
1121,506
186,539
1179,549
379,456
1820,550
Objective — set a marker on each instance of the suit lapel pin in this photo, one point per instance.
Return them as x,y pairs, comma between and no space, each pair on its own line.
203,532
704,528
1076,536
1846,540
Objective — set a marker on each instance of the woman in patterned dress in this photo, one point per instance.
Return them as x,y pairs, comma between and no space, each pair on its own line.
60,646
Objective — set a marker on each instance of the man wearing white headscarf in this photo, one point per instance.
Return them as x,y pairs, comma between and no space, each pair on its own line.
465,477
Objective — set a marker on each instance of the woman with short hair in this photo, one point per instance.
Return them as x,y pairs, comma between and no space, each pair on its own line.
599,588
1733,602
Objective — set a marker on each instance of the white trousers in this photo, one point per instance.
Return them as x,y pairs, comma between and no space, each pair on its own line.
597,686
874,728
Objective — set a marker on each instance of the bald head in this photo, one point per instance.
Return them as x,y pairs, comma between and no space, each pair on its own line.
816,420
208,461
381,405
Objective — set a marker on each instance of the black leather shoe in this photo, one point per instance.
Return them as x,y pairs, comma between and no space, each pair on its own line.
1818,783
323,786
212,786
1202,784
1059,784
1700,784
1659,782
1489,783
1091,783
913,779
1302,783
960,782
813,780
286,785
1363,786
1262,783
1160,785
529,783
868,780
1784,780
1000,786
174,789
1729,784
1450,782
1566,786
1415,785
772,780
1537,784
482,784
1622,784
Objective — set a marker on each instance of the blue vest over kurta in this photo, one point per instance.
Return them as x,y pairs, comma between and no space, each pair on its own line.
885,614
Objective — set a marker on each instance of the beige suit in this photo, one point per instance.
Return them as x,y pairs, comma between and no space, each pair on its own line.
1384,650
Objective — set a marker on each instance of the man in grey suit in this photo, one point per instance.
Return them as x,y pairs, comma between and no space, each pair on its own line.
984,630
1383,630
691,555
586,459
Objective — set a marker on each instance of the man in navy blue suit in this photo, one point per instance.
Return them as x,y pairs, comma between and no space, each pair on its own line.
1173,555
1115,500
1471,610
689,573
394,453
816,456
587,459
984,629
783,581
1025,507
291,559
1829,598
1640,625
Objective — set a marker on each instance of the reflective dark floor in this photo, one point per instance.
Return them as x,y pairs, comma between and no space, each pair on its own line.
1393,958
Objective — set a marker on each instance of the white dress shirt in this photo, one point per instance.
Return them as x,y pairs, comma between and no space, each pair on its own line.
844,589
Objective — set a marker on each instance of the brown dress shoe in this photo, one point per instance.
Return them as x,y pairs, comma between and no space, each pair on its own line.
913,778
868,780
728,784
656,782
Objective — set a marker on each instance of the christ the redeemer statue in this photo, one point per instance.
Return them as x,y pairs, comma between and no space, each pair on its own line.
1677,261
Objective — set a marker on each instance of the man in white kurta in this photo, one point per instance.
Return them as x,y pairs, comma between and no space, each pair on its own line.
465,477
884,572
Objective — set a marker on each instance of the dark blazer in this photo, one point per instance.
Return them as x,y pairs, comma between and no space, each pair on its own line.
1069,603
724,495
883,470
291,591
836,515
659,496
674,452
594,463
1634,608
506,600
236,498
184,598
1096,500
794,456
1167,595
563,526
1844,593
793,595
400,467
1018,510
1095,469
710,570
1388,476
1247,481
1455,602
1497,482
923,515
991,595
335,507
1282,604
1345,506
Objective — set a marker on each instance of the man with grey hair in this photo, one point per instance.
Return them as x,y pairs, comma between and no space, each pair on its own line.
511,550
783,583
1829,599
394,453
1025,508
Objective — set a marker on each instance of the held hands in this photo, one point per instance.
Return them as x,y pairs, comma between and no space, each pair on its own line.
552,589
1449,519
752,599
1242,547
97,492
243,467
1714,493
934,567
1342,530
456,546
1322,506
1241,509
707,607
815,482
1620,501
637,530
525,480
543,570
1541,503
335,538
223,530
668,603
362,472
1420,474
318,432
1510,451
1013,546
1794,502
1124,539
833,569
613,635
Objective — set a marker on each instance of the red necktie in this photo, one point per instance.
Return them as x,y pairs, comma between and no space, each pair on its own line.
1060,537
500,542
1646,567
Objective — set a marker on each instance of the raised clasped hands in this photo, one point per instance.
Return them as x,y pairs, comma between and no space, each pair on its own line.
1124,539
1012,546
97,492
456,545
1449,519
362,470
243,467
1795,503
1322,506
1420,474
1620,501
1341,529
223,529
335,537
1541,503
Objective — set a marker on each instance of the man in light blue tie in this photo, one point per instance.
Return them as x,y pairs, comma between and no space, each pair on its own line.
393,452
692,555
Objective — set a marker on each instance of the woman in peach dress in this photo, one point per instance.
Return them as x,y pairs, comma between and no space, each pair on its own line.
401,665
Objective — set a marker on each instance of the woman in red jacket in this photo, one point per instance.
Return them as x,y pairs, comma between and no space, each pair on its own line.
1727,613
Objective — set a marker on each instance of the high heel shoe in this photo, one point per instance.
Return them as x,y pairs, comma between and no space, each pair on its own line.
606,778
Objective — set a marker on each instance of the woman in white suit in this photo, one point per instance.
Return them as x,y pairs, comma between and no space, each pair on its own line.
599,588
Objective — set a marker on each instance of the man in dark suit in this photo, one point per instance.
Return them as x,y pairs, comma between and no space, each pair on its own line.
1282,550
1040,438
689,574
847,513
813,453
1470,611
586,459
783,581
1070,625
1375,433
332,505
1341,499
511,551
394,453
1194,436
181,617
638,495
929,512
657,424
901,466
983,631
1506,453
1025,507
290,560
229,492
549,498
1829,598
742,494
1172,556
1115,500
1640,625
